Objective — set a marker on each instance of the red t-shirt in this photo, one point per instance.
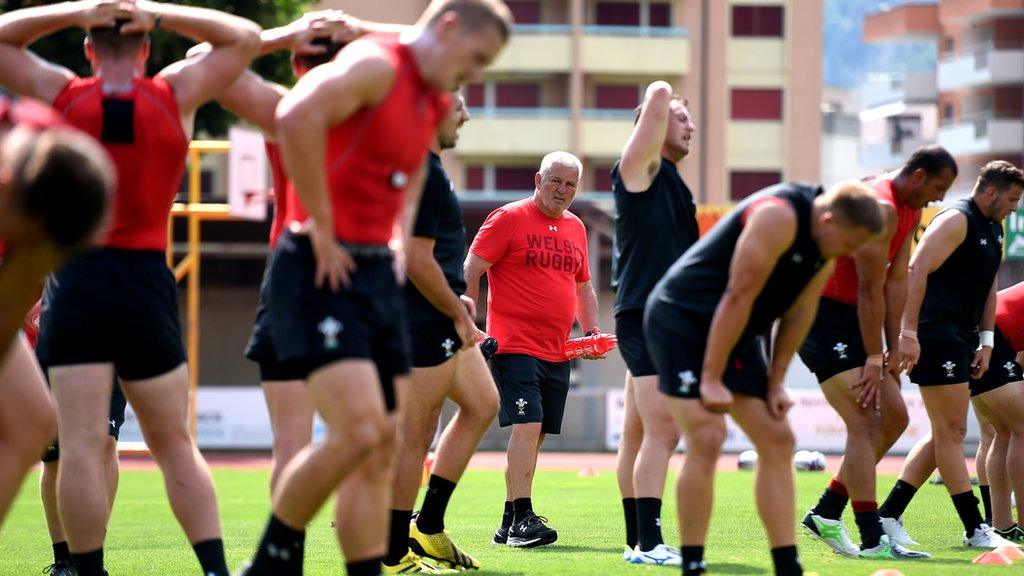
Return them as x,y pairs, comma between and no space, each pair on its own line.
287,207
372,156
142,132
1010,314
842,285
536,263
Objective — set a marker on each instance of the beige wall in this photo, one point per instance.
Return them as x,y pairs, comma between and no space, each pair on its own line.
400,11
803,98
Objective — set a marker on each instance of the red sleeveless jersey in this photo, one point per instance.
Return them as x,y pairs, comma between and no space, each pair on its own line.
1010,315
141,130
372,156
842,285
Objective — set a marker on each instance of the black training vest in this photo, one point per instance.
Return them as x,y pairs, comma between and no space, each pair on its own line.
696,282
652,230
957,290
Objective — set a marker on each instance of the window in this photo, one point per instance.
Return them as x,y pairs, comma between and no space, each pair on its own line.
513,178
516,95
947,111
617,97
756,104
754,21
950,43
661,15
600,179
618,13
744,183
525,11
475,96
474,178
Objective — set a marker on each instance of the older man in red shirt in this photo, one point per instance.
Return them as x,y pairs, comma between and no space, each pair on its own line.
534,252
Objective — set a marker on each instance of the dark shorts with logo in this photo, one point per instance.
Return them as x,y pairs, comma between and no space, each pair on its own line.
677,341
434,342
1002,368
114,422
314,327
112,306
260,348
834,344
531,390
944,361
629,329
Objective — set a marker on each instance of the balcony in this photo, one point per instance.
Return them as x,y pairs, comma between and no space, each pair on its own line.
880,157
755,145
515,132
983,133
962,11
633,50
909,88
985,64
537,48
909,22
604,132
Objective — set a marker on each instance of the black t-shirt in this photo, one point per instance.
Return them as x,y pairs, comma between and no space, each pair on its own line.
957,290
652,230
439,217
696,282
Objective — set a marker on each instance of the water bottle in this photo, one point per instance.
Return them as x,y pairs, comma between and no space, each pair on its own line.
596,345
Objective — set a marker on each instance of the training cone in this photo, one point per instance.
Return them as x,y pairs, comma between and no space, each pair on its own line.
887,572
993,557
1012,552
588,472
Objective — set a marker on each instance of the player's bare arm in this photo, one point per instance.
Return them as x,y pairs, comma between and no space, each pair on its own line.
895,301
793,328
942,237
326,96
769,231
871,261
641,154
24,73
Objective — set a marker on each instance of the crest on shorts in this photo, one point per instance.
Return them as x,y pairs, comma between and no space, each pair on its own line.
1010,368
447,345
840,349
330,327
949,366
687,379
521,404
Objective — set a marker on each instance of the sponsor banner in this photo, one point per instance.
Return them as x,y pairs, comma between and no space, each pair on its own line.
226,418
815,424
247,174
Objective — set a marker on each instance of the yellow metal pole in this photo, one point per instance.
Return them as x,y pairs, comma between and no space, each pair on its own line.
192,292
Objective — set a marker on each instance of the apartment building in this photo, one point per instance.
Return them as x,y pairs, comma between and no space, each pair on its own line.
575,69
978,81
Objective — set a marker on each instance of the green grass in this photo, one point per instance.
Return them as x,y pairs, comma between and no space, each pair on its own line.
144,539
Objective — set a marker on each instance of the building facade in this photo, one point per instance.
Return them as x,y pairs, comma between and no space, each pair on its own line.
979,77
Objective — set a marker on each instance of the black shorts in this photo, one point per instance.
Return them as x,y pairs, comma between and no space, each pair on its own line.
677,341
114,422
629,328
112,306
944,361
260,348
834,344
531,390
315,327
434,342
1002,367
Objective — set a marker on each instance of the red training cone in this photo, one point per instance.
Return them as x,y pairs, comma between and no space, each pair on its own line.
887,572
1014,553
993,558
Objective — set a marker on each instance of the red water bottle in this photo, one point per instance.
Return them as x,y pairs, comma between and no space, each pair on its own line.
596,345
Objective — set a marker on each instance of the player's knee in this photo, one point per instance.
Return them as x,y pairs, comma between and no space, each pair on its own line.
706,441
776,441
894,423
664,434
950,432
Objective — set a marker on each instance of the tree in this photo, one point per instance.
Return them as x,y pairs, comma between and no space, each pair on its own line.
65,48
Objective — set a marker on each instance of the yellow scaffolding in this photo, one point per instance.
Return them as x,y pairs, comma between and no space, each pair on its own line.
188,268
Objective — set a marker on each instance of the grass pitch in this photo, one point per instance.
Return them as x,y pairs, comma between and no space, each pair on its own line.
144,538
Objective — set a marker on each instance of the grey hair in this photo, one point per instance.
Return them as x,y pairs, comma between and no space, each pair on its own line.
561,158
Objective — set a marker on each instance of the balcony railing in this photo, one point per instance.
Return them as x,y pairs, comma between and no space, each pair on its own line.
502,112
639,31
543,29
